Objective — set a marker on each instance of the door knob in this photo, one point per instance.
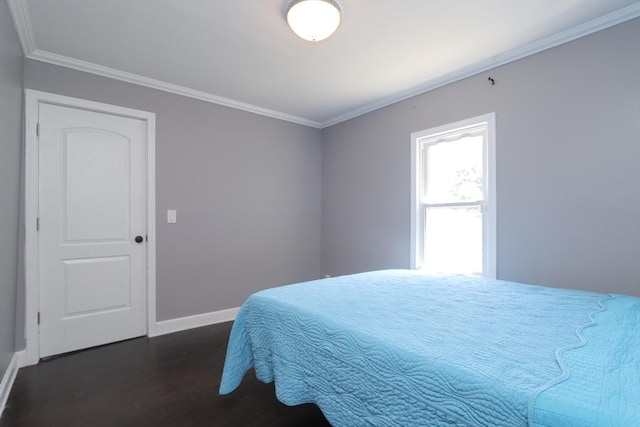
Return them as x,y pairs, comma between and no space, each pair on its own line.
139,239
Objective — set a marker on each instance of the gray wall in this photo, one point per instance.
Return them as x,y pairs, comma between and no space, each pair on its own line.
11,62
568,167
246,189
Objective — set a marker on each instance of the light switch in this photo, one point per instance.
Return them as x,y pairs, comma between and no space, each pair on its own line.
171,216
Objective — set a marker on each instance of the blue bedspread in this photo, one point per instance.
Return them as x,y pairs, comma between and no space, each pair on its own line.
398,347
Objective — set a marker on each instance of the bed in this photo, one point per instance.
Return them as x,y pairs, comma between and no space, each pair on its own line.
402,348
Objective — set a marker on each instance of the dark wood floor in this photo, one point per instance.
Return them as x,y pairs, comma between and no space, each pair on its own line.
171,380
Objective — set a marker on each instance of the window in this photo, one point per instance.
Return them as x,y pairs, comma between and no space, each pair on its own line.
453,221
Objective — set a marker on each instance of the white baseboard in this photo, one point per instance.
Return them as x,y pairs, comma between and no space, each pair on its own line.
7,381
189,322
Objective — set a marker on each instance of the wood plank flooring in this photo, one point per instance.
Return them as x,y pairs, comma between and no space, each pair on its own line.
171,380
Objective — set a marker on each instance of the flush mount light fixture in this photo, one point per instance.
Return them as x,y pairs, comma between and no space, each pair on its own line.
314,20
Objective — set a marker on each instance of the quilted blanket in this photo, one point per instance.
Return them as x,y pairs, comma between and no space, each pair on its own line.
400,348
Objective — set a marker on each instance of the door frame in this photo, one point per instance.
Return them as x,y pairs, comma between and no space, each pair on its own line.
33,99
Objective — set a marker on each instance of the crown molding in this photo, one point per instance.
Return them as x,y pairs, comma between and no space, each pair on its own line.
614,18
19,12
89,67
22,21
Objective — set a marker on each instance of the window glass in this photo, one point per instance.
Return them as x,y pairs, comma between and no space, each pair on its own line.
454,171
453,240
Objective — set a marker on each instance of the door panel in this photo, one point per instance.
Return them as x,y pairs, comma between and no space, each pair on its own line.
92,205
96,161
96,285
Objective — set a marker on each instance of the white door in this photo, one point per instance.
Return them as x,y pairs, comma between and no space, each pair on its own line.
92,228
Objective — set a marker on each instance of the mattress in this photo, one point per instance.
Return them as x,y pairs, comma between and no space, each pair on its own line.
401,348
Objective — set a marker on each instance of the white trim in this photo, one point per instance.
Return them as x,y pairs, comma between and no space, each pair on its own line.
88,67
598,24
151,226
32,99
7,381
31,258
190,322
415,207
20,14
454,204
490,220
491,210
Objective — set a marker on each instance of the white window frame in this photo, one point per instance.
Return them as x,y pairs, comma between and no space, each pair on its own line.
489,262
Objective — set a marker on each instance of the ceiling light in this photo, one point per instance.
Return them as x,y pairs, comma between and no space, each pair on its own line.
314,20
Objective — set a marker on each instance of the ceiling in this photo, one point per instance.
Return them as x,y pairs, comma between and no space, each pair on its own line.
241,53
